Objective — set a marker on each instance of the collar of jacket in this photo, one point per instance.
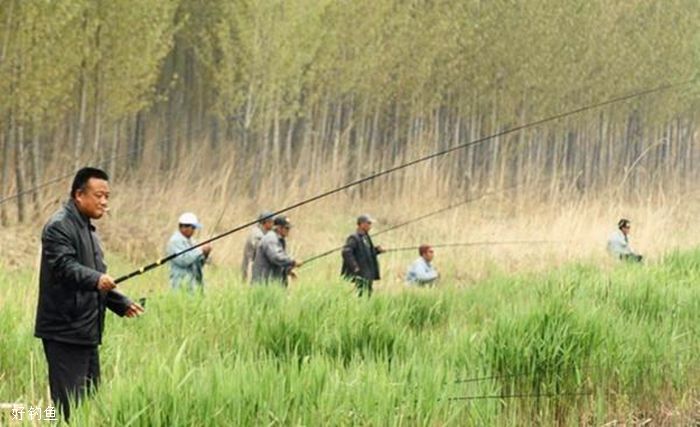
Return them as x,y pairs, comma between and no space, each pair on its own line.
73,211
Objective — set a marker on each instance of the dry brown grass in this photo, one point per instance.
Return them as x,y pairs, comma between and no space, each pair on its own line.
145,210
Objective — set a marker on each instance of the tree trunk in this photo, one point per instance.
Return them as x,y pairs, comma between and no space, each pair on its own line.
19,172
78,143
5,169
112,162
36,175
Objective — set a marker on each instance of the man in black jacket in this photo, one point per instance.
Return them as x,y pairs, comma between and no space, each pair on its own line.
360,264
74,291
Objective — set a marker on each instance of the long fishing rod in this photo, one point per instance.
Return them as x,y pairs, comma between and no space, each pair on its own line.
422,217
479,243
519,396
411,221
402,166
651,361
70,174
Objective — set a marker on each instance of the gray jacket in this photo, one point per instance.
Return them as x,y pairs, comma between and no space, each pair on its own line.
186,269
272,263
251,243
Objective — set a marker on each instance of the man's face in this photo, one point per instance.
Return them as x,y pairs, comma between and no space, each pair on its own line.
283,231
626,229
429,255
93,200
365,226
187,230
267,225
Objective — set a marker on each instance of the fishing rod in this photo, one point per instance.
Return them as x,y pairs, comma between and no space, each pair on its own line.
519,396
424,216
413,220
587,367
70,174
402,166
479,243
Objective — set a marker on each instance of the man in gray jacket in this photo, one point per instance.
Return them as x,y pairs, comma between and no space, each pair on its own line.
74,291
265,222
272,263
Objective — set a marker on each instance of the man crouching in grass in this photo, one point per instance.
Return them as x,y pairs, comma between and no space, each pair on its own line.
74,291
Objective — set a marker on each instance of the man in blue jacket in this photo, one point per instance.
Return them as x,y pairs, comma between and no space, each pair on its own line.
186,269
74,291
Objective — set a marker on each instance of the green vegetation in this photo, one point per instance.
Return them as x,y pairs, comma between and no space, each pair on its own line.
316,355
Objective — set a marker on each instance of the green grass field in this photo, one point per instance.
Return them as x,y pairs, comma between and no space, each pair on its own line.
580,345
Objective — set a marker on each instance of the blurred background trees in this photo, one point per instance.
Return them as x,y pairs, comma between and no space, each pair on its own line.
264,95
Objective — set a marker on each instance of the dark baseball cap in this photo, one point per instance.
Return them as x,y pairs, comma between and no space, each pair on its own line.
282,221
364,218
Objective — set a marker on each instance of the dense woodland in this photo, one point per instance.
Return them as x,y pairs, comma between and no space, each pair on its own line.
318,92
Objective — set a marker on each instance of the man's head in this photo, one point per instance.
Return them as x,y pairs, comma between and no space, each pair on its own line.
624,225
266,220
188,223
364,223
282,225
427,252
90,192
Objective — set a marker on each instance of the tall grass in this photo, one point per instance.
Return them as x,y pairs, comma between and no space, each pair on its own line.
610,344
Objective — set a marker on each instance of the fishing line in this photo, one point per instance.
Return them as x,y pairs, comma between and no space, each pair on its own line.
413,220
388,171
71,174
479,243
519,396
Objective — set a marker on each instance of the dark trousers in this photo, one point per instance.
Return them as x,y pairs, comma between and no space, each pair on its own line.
362,285
631,257
74,370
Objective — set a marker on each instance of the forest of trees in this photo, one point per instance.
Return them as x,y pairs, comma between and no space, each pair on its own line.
324,91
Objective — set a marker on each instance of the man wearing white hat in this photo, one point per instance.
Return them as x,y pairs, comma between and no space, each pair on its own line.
186,269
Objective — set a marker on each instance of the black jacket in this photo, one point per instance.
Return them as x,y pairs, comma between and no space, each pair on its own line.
70,307
360,257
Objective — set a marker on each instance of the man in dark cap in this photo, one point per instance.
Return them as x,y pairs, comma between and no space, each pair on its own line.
265,223
360,264
74,291
272,263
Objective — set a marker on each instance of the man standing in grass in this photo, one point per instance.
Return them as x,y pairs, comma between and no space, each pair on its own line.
421,272
265,223
186,269
74,291
619,245
272,263
360,263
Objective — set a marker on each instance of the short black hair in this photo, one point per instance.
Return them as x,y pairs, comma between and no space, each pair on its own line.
83,176
623,223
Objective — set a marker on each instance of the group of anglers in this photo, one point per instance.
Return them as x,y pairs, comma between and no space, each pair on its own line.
75,289
266,260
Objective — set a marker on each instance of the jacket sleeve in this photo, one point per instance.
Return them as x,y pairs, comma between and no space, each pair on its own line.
423,273
349,254
117,302
187,259
276,255
62,257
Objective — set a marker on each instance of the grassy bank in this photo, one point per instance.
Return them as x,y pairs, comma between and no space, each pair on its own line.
579,344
